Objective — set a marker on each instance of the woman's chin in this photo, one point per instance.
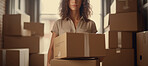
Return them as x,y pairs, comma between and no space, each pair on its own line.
74,9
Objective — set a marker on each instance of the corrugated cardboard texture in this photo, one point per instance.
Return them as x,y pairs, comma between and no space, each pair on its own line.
112,40
124,58
69,45
97,45
75,63
123,6
36,28
142,50
38,60
121,22
72,45
15,57
33,43
14,25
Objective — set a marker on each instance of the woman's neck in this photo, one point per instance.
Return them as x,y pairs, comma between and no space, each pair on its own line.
75,15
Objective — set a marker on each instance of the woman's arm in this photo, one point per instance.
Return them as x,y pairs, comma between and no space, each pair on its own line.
50,51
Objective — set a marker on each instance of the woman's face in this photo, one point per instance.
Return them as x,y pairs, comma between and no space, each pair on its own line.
75,4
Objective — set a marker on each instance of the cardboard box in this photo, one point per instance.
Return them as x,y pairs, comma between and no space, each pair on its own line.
14,25
34,43
38,60
37,29
122,57
56,62
123,6
122,22
14,57
114,39
74,45
142,50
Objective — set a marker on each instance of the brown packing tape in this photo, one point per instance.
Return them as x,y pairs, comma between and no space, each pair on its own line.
3,57
126,4
119,39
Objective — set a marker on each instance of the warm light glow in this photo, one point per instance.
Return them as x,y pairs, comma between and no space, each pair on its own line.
50,6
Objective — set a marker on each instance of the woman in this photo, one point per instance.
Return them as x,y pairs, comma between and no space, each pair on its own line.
74,18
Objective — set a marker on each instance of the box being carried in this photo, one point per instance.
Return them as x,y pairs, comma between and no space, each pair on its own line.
75,45
14,57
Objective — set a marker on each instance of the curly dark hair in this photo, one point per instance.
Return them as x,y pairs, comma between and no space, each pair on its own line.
85,10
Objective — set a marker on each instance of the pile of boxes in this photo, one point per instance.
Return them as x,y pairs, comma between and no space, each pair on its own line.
25,43
119,26
70,48
19,34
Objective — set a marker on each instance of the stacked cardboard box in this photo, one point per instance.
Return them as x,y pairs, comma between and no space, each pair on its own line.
115,39
36,28
38,59
78,45
118,22
119,26
119,57
142,50
122,6
19,32
60,62
14,25
34,43
14,57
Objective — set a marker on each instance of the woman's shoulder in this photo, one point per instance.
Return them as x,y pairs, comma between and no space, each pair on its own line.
59,20
91,21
